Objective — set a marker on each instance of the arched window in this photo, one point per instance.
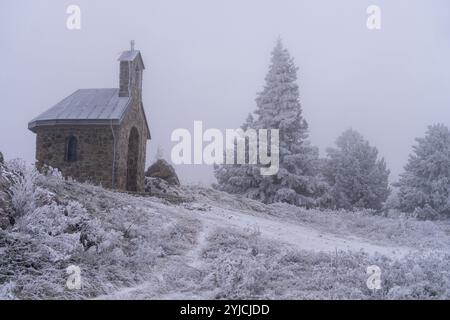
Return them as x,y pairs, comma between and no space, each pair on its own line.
72,149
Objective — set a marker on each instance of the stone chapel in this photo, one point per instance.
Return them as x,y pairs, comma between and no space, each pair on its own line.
99,135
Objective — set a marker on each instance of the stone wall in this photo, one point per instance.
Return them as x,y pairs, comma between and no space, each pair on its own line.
133,118
124,77
95,149
94,152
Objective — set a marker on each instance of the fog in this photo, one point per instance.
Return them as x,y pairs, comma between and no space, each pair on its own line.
206,60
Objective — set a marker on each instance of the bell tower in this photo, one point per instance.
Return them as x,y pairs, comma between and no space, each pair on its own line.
131,67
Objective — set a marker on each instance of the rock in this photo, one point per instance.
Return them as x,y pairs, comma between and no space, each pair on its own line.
163,170
156,185
2,160
160,188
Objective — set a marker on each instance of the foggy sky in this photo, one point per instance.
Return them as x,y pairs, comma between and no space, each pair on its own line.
206,60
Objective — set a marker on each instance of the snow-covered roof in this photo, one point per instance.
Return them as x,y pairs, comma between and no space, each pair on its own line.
85,106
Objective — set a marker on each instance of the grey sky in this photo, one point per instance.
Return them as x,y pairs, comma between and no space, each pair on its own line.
206,60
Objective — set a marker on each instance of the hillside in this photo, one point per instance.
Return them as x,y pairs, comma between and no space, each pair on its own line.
203,244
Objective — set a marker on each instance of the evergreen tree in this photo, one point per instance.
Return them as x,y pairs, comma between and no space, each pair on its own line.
356,177
424,186
239,178
278,107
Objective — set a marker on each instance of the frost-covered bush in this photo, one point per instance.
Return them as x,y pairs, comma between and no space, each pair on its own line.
6,291
241,266
232,272
23,190
115,239
426,213
51,178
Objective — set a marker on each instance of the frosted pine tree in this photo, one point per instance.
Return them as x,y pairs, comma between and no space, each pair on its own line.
278,107
424,187
242,178
356,177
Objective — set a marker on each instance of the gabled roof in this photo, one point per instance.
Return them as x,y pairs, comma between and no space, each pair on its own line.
130,56
86,107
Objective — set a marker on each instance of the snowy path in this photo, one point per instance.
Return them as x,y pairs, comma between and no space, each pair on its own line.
296,235
290,233
194,256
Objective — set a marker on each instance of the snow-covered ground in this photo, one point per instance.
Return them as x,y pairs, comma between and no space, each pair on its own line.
285,234
212,245
293,233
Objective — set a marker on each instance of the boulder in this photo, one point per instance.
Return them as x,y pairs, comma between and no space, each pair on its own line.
163,170
160,188
155,186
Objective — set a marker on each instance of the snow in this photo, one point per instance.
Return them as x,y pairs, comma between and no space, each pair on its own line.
214,246
293,235
298,236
